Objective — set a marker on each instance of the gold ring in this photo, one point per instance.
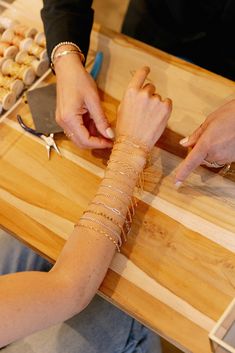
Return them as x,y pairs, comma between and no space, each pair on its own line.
226,169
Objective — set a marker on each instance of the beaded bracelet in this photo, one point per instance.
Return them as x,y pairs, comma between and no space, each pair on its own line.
112,209
54,56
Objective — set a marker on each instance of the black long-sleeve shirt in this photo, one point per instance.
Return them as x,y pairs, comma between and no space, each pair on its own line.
67,20
201,30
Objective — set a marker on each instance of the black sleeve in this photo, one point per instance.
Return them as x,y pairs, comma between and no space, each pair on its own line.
67,20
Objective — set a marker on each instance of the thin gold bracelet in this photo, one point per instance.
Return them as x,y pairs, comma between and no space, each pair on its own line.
127,220
111,219
101,232
112,209
126,165
114,188
66,52
97,221
129,140
112,197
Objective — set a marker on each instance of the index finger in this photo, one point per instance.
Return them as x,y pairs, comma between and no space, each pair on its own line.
139,77
191,162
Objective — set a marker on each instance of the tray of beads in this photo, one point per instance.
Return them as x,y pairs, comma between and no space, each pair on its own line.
23,61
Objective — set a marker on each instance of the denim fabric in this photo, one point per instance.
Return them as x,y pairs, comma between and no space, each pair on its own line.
100,328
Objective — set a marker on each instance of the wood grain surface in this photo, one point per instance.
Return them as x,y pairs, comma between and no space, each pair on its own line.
176,273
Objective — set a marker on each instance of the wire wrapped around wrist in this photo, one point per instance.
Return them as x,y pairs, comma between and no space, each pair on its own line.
111,212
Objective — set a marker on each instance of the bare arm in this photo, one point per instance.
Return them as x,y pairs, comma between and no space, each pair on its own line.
31,301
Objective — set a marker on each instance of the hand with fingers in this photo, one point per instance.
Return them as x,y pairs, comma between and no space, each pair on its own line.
78,109
213,143
142,113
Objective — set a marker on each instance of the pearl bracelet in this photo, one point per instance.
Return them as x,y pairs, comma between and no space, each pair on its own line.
55,56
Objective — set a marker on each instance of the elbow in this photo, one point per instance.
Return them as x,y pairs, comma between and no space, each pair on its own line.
74,294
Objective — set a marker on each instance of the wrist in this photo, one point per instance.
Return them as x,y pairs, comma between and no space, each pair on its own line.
66,63
65,49
125,166
62,48
130,151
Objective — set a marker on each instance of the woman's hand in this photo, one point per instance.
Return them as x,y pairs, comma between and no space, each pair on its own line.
213,142
79,110
142,114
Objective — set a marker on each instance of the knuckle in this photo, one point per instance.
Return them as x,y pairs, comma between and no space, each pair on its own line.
145,94
168,104
157,97
150,86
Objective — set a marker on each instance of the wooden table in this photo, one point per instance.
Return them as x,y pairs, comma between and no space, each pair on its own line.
176,273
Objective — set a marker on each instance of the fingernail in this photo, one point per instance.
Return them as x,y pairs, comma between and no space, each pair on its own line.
110,132
184,140
178,184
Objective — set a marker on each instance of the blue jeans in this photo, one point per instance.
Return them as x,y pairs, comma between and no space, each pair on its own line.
100,328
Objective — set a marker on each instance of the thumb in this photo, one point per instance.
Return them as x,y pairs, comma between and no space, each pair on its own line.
192,139
191,162
97,115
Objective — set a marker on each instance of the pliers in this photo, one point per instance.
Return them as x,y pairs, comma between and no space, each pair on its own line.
49,140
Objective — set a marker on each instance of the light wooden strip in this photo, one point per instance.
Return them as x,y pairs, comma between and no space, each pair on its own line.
127,269
53,222
208,229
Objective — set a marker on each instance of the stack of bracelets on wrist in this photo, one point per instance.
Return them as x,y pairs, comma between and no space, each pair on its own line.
55,56
103,216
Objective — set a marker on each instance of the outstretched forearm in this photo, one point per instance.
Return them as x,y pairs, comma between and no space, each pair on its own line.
31,301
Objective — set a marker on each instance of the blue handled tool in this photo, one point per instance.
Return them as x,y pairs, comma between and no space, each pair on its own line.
97,65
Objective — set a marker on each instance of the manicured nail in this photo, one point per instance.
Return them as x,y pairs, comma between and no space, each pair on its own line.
110,132
178,184
184,140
